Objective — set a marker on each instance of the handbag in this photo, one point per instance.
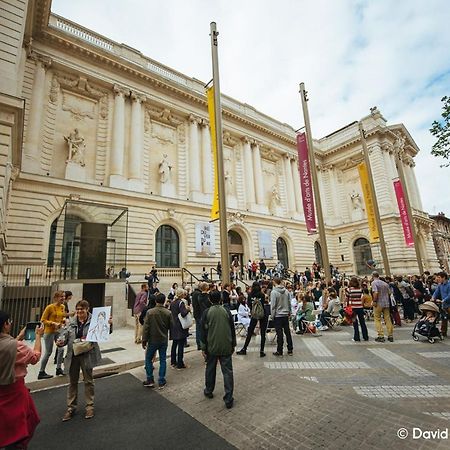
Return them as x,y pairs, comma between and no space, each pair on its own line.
186,321
80,347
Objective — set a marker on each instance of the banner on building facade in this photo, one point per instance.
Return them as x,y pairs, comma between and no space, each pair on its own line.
204,238
305,183
265,244
368,201
212,125
407,230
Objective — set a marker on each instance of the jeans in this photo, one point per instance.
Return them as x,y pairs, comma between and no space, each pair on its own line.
282,325
362,321
251,329
377,310
77,363
150,353
408,309
176,353
49,339
227,371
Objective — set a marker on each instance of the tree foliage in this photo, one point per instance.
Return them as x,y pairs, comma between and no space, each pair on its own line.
441,130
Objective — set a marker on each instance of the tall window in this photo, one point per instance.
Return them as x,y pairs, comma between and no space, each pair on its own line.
362,253
167,247
282,252
318,253
51,244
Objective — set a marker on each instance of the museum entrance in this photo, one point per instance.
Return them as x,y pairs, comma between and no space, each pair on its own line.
236,252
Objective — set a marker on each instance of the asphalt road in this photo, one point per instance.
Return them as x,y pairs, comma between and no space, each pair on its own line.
127,416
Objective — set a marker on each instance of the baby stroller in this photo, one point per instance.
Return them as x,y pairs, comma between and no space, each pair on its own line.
427,325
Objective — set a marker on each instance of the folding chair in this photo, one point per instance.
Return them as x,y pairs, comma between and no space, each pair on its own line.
238,326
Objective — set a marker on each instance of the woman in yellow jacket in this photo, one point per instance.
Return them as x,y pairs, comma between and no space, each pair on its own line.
53,318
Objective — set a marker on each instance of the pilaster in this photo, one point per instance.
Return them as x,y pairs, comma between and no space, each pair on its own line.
135,156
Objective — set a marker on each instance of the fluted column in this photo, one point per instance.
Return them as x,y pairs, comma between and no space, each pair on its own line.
207,162
419,205
194,158
248,174
116,178
381,179
289,184
135,155
297,191
257,175
31,162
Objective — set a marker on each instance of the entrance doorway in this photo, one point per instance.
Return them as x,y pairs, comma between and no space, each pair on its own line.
282,252
236,251
362,253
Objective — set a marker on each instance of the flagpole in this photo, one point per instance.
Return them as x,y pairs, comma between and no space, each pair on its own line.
312,160
387,269
220,166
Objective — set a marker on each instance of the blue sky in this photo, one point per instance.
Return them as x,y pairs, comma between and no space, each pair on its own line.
351,54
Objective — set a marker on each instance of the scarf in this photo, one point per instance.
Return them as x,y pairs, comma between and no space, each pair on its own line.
8,353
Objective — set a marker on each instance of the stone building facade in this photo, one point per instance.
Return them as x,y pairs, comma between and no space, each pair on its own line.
104,124
441,239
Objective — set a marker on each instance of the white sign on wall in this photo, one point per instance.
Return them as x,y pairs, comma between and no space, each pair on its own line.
265,244
204,238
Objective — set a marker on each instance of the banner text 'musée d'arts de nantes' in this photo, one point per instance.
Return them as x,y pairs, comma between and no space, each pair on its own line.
407,230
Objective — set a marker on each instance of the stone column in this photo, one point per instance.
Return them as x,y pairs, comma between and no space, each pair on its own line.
207,159
257,175
380,179
135,155
194,159
31,161
418,203
116,178
297,188
248,174
289,184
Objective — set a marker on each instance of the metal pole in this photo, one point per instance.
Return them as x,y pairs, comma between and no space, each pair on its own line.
220,166
387,269
401,175
312,161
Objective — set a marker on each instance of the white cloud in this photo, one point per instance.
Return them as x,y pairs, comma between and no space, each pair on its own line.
351,54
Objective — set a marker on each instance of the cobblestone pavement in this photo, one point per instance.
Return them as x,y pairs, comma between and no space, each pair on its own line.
332,393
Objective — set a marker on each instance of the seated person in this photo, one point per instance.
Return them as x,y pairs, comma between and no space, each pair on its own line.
243,313
332,307
304,312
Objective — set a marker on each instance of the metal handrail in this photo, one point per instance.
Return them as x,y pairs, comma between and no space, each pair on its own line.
191,275
211,274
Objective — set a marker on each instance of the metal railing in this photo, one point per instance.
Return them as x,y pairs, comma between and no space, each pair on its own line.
188,277
31,274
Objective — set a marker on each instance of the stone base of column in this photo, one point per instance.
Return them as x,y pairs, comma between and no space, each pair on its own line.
136,185
167,190
118,181
75,172
31,164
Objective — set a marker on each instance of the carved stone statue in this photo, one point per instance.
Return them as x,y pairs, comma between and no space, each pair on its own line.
356,200
228,182
164,170
77,147
275,200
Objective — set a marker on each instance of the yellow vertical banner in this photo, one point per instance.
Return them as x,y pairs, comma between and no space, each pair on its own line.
368,200
212,121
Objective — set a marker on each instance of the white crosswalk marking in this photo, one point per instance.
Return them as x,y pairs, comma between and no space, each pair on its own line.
402,364
435,354
441,415
387,343
316,365
316,347
421,391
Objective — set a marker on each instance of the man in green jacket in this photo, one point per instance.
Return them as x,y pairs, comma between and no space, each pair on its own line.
218,340
155,338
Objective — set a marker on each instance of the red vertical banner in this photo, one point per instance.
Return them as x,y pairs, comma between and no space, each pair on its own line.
407,230
305,183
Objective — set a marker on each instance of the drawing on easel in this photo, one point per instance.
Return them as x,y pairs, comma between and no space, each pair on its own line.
99,327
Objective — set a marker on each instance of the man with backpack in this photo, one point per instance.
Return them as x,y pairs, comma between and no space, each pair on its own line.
256,300
280,308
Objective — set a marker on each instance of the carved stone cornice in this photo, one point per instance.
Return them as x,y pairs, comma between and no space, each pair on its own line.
237,218
228,139
39,59
246,140
138,97
269,154
121,90
163,115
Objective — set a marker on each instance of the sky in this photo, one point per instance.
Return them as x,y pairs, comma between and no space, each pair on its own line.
351,55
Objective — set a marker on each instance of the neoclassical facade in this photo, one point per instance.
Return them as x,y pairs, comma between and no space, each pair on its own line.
441,238
105,125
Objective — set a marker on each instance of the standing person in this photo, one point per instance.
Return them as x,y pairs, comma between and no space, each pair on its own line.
262,268
88,356
158,321
19,417
177,333
139,304
381,305
442,293
407,298
254,270
281,310
59,352
218,342
219,270
53,318
200,303
249,269
235,267
354,298
308,274
226,294
256,300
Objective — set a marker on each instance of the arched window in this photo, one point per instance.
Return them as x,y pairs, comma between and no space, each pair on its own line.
318,253
282,252
167,247
362,253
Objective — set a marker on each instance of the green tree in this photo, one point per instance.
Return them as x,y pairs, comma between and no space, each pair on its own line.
441,130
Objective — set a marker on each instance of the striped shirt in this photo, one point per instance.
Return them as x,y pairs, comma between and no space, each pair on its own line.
354,297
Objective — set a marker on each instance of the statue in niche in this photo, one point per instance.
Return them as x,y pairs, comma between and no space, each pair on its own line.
356,200
228,182
275,200
77,147
164,170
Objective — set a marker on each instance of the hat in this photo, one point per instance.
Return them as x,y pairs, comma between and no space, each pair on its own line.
429,306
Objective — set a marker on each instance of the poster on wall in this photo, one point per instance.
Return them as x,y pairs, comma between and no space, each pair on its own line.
265,244
204,238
